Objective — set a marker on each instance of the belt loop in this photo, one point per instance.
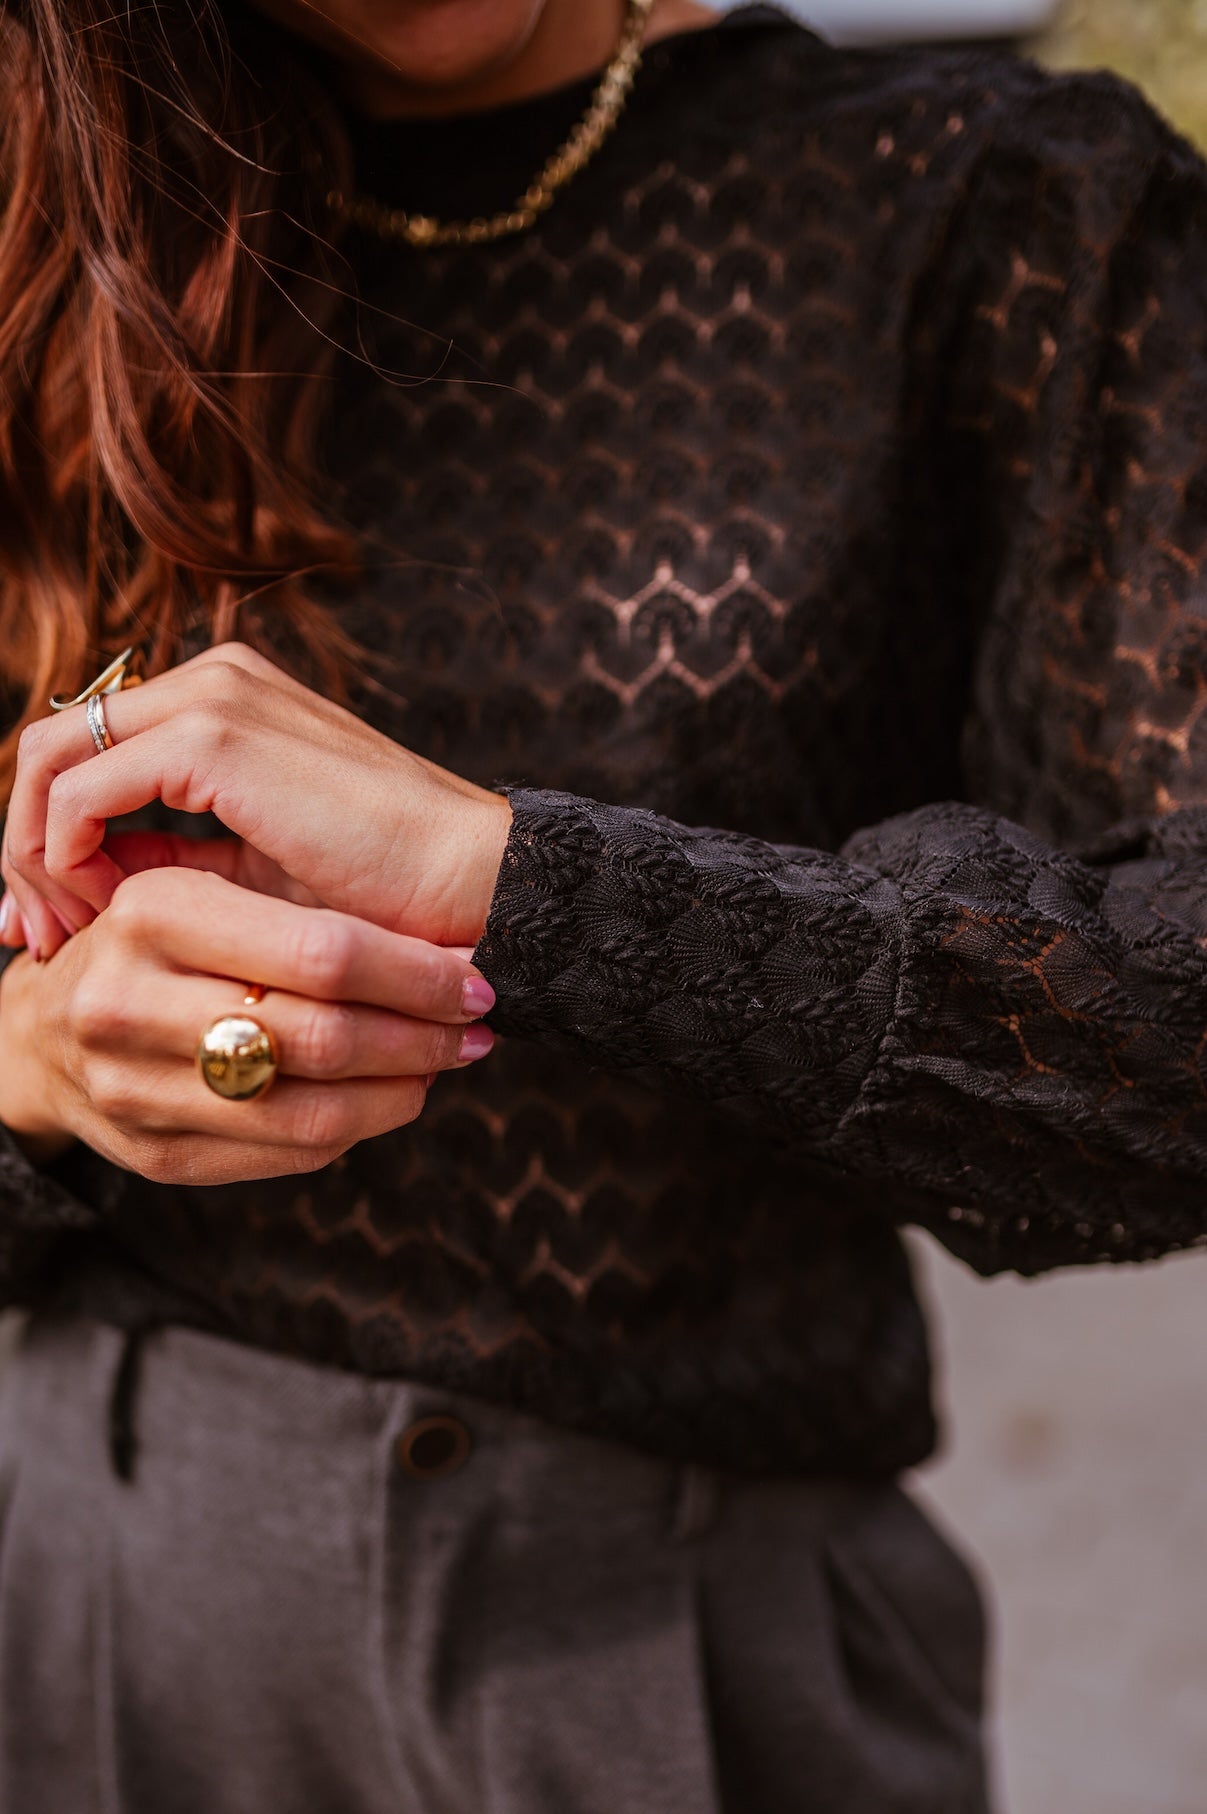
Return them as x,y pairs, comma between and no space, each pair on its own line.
697,1501
123,1399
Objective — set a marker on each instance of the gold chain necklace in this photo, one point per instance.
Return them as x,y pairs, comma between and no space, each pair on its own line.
605,108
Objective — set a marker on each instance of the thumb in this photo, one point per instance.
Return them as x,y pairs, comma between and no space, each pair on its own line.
135,851
231,858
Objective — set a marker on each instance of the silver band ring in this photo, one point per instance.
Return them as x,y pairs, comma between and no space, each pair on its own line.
97,724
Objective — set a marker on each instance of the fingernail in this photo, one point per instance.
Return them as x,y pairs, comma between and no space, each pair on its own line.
6,916
430,1079
31,942
477,996
67,926
476,1042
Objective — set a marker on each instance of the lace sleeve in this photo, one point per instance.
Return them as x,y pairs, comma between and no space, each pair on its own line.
996,1005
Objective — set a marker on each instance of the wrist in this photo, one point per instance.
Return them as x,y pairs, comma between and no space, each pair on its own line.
481,840
25,1096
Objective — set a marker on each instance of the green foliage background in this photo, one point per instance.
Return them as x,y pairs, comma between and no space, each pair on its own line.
1160,44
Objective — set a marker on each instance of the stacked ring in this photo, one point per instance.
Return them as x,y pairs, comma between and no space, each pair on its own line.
124,671
98,725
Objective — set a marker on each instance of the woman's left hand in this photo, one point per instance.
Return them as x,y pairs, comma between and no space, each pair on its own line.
327,808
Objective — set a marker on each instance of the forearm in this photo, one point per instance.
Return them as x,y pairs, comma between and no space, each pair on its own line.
948,1005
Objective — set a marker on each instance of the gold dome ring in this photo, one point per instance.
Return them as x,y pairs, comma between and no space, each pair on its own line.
237,1056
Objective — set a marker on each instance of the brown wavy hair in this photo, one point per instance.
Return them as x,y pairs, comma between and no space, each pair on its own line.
168,283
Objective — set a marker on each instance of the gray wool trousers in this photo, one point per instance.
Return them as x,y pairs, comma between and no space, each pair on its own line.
234,1583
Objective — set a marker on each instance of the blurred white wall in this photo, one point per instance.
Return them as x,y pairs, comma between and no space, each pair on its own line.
1076,1473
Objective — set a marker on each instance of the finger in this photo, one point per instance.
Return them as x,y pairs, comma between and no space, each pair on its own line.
153,1101
46,747
12,933
29,920
182,765
201,922
32,922
133,853
62,743
137,851
80,802
319,1040
198,1160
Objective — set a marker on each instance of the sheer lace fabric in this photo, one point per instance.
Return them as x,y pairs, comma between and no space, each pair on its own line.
805,526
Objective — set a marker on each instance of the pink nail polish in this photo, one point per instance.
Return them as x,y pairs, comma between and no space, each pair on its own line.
477,996
476,1042
31,943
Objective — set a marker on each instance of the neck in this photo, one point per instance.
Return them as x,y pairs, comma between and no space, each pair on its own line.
571,39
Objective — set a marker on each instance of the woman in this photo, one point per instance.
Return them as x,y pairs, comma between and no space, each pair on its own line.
763,564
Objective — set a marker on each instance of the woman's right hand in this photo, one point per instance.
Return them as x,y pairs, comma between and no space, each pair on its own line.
99,1043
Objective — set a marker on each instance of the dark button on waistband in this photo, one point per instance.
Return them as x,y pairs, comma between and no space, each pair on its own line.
433,1446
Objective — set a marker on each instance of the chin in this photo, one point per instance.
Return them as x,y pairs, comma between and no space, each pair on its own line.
432,44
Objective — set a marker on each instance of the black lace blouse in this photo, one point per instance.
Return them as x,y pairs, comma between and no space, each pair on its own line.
805,525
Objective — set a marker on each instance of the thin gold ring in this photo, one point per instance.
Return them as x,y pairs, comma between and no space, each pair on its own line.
125,670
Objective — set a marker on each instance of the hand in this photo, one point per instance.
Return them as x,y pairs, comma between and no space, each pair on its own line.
100,1043
332,810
